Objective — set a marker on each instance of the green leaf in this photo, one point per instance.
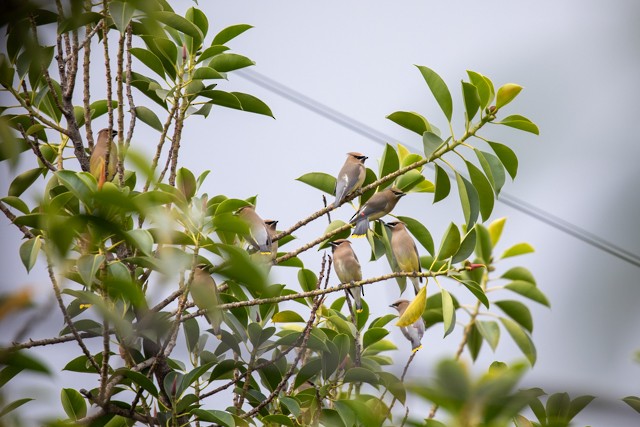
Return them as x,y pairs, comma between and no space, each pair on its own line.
518,312
210,52
483,188
477,291
149,59
474,342
448,312
431,142
493,168
466,247
24,181
389,163
320,180
206,72
507,157
277,419
308,371
229,62
148,117
17,203
495,230
484,91
360,375
420,232
506,94
519,273
186,182
121,13
528,290
373,335
73,403
179,23
450,243
439,90
252,104
471,98
197,17
100,107
139,379
29,251
141,239
14,405
521,338
410,120
518,249
442,183
469,200
230,33
633,401
307,279
519,122
287,316
214,416
490,331
88,266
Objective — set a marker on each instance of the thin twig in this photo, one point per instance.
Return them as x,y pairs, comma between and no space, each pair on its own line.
5,210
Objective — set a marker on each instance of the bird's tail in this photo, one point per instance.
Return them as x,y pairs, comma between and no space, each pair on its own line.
362,226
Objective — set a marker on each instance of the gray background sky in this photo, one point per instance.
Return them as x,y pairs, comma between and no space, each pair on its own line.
579,64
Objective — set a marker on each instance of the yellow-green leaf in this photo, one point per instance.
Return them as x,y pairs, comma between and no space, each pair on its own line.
506,94
287,316
518,249
495,230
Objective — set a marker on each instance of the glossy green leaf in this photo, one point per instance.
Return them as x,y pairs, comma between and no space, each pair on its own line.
528,290
179,23
471,99
23,181
490,331
466,247
320,180
469,200
519,273
73,403
518,312
484,190
230,33
241,268
450,242
519,122
477,291
389,163
287,316
493,169
186,182
448,312
207,72
307,279
410,120
633,401
518,249
226,62
474,342
308,371
507,157
167,52
431,142
139,379
360,375
199,19
88,266
442,183
373,335
506,94
148,117
211,52
484,91
13,406
214,416
17,203
420,232
121,12
149,59
495,230
521,338
29,251
252,104
278,419
142,239
439,90
577,405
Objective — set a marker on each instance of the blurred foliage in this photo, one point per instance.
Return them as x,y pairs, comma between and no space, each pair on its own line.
107,245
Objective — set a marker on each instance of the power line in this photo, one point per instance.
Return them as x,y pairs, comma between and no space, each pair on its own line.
381,138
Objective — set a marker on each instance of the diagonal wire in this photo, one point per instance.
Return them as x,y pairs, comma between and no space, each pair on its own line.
381,138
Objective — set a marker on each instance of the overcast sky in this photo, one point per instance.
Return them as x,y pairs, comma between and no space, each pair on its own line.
579,64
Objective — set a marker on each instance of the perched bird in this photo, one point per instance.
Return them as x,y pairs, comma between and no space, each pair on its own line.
414,332
405,251
259,236
204,292
376,207
271,230
347,267
350,177
98,158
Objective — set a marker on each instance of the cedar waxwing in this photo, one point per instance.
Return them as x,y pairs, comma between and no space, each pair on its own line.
98,157
204,292
347,267
258,236
350,177
271,229
405,251
414,332
376,207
